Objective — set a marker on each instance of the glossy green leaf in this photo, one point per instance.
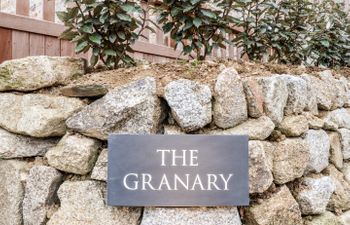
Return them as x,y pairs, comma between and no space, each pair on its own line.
95,38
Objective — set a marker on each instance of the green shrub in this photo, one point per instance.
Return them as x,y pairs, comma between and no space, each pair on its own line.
199,25
107,27
274,31
294,31
330,38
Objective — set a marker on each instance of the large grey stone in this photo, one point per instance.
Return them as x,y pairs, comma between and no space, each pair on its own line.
83,203
190,103
260,176
74,154
11,191
319,145
345,85
294,126
325,95
280,208
132,108
191,216
346,171
230,105
18,146
256,129
35,72
342,91
297,94
275,93
100,169
326,218
40,193
311,96
255,97
345,142
340,117
345,218
290,158
336,154
338,88
36,115
313,194
340,199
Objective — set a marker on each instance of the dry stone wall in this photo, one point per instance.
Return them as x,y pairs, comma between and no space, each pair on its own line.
53,156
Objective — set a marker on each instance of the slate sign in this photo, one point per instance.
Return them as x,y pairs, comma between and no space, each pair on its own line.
177,170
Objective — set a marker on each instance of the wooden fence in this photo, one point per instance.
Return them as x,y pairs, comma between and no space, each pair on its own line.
31,27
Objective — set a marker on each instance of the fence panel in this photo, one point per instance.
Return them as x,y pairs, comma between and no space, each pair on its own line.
31,27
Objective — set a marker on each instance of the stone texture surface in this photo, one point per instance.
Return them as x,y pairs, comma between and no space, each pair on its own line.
297,94
280,208
132,108
342,90
17,146
345,142
11,191
290,158
256,129
311,104
36,115
191,216
230,105
74,154
35,72
83,203
314,122
40,193
340,117
325,96
254,96
93,90
336,86
345,218
190,103
346,171
340,200
260,176
294,126
319,145
100,169
313,194
326,218
172,129
336,154
275,93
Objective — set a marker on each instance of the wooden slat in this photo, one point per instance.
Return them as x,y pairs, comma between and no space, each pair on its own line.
159,50
67,48
36,44
49,10
23,23
22,7
160,37
52,46
5,44
20,44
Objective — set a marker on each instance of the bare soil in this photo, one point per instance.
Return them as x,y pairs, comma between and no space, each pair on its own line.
204,72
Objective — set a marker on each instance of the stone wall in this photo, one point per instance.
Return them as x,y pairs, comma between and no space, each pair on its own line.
53,146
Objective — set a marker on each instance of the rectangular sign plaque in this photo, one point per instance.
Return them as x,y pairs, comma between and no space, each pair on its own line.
177,170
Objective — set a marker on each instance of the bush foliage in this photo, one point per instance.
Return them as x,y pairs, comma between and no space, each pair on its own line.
107,27
285,31
199,25
294,31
